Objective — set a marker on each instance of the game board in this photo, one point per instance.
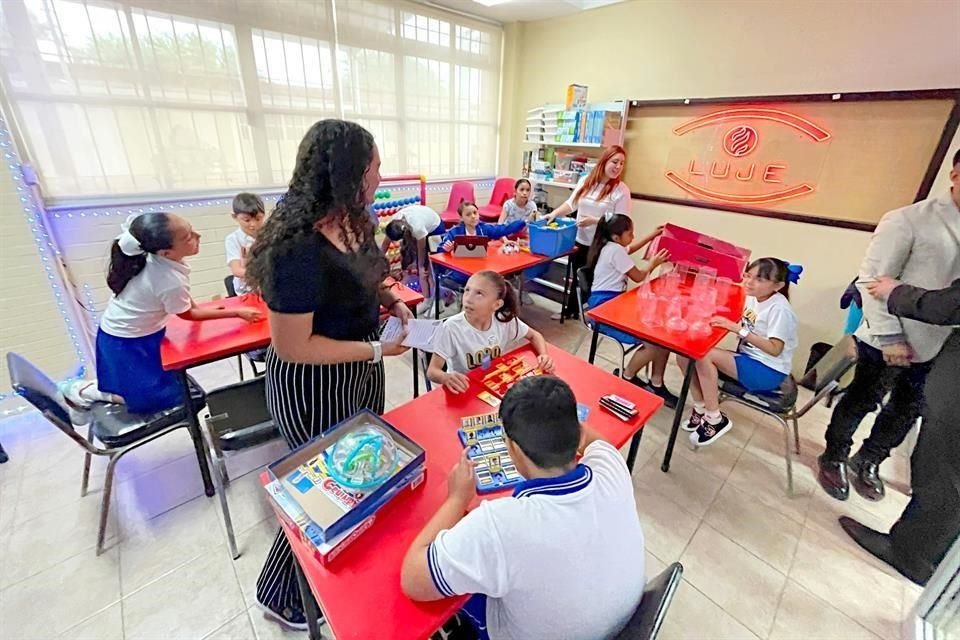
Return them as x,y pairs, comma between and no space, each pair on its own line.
505,373
482,436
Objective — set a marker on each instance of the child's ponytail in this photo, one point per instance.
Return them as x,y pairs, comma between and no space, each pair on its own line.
505,291
143,234
611,224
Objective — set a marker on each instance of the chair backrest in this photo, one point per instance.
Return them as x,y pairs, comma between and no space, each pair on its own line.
238,406
583,293
460,192
649,616
228,285
832,366
36,388
502,191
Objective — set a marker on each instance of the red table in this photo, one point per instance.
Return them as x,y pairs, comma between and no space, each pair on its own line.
360,591
502,263
622,313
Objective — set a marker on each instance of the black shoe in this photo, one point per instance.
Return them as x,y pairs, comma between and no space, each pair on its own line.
832,476
669,399
866,478
709,433
880,546
288,617
3,455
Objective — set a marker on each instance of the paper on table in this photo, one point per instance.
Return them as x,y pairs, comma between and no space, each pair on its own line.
419,332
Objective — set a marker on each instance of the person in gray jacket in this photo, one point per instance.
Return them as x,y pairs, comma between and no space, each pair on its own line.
918,245
920,539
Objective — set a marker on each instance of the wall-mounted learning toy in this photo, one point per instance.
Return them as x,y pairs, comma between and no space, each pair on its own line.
482,436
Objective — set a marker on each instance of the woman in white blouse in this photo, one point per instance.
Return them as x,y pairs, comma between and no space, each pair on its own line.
597,193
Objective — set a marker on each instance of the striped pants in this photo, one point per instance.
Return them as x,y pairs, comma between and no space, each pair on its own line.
305,400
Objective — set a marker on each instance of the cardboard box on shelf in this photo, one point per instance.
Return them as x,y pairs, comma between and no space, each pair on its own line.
576,97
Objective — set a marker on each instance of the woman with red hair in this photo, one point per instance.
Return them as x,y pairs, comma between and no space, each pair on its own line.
599,192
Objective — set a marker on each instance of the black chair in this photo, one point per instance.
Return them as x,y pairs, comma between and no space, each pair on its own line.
238,419
649,616
583,295
253,357
823,379
118,430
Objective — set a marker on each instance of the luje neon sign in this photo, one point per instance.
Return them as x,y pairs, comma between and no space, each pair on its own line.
735,178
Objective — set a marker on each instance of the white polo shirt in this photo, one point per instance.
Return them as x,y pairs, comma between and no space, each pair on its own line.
590,204
233,246
162,289
562,558
613,265
422,220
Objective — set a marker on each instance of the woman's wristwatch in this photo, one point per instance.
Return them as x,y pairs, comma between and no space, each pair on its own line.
377,352
743,333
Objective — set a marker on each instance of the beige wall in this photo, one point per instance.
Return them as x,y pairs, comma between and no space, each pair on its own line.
650,49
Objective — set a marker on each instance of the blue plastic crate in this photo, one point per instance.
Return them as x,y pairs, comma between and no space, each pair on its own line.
547,241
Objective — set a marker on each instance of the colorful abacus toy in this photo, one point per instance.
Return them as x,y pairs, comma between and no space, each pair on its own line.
386,207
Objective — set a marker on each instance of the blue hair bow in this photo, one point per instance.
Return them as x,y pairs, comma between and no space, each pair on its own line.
793,272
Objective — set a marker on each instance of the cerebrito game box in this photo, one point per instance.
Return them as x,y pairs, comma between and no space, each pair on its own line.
331,487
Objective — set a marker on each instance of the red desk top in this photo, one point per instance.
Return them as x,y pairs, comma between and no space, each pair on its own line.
503,264
189,343
623,313
360,591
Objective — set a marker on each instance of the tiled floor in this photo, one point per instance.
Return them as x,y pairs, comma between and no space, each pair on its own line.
757,564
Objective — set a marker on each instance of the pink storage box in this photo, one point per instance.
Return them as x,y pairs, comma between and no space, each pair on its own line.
688,247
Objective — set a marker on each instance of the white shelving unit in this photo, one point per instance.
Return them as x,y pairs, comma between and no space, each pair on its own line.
550,183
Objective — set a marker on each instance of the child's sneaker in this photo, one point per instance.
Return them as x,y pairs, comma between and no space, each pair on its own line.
696,419
288,617
709,433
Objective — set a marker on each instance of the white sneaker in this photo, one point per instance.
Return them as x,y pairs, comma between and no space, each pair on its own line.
556,316
526,298
425,307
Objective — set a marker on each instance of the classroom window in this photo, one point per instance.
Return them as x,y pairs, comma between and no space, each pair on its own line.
116,97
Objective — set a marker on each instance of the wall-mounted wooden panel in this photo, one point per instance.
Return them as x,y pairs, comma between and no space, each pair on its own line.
844,163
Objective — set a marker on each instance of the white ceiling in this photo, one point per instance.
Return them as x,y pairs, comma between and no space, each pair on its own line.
522,10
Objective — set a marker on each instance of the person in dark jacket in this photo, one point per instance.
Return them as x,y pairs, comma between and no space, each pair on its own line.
930,523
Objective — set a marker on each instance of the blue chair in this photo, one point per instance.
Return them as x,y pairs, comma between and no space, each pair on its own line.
118,430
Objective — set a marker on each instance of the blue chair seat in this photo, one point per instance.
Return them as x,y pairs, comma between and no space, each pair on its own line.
116,427
780,401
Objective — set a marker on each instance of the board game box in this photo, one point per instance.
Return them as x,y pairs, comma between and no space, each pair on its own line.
482,436
334,483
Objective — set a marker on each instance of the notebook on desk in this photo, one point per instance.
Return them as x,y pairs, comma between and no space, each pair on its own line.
470,247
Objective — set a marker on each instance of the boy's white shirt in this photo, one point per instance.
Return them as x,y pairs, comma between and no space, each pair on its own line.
772,318
564,558
464,347
233,246
162,289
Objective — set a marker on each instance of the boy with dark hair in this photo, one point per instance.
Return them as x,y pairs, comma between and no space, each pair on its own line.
563,557
248,212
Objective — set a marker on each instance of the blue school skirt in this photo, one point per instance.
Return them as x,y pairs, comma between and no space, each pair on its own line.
755,376
131,367
598,298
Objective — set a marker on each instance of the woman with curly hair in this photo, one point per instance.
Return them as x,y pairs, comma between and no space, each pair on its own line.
321,274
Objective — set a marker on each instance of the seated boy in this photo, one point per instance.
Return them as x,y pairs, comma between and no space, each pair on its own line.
563,557
248,214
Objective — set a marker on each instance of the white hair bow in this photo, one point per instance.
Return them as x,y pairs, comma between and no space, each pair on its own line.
128,243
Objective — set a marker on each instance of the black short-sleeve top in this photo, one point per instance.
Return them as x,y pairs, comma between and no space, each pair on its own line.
315,276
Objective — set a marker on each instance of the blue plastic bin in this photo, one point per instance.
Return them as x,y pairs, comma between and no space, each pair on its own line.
545,241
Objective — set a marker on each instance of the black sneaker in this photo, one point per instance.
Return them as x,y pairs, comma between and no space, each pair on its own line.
708,433
288,617
696,419
669,399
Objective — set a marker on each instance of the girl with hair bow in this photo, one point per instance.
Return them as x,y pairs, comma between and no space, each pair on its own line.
150,282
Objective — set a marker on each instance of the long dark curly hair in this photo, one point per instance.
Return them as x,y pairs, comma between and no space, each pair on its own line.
328,180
